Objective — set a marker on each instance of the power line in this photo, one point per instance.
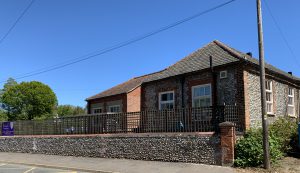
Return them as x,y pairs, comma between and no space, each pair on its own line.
119,45
17,21
281,33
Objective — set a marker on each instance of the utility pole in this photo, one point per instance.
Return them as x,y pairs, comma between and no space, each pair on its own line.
263,88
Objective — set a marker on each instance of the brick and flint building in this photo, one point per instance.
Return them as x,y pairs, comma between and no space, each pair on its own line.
213,75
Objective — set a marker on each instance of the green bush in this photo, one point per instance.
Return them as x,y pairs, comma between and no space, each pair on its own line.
294,143
282,139
249,149
284,129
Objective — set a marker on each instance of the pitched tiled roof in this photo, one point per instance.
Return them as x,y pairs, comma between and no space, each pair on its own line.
255,61
123,87
198,60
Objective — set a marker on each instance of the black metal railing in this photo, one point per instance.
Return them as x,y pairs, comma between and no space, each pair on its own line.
204,119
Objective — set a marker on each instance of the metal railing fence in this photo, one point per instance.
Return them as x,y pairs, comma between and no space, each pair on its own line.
204,119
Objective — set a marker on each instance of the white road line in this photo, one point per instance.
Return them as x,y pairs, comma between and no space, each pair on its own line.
3,164
29,170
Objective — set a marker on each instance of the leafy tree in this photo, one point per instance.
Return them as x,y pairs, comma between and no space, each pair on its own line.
9,83
28,100
3,115
5,109
79,110
65,110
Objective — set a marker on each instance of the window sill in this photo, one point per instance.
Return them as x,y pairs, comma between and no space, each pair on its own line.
270,114
292,116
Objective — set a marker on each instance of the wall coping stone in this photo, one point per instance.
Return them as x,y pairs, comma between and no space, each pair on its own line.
227,124
201,134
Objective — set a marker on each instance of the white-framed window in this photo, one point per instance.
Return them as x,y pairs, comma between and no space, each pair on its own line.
291,102
114,108
269,97
166,100
97,110
201,95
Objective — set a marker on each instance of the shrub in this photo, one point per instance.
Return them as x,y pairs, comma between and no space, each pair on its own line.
249,149
294,144
282,138
284,129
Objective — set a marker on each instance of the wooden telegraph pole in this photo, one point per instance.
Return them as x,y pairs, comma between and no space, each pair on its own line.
262,87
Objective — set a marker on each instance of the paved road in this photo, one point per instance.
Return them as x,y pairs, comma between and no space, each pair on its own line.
17,168
105,165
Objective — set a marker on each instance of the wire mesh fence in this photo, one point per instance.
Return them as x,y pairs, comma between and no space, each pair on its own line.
204,119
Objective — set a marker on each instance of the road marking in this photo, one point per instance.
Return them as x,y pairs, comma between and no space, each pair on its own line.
56,167
29,170
3,164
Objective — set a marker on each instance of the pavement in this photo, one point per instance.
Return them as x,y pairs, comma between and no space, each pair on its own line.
17,168
53,163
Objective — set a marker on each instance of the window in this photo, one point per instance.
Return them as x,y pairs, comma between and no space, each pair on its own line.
269,97
201,95
114,108
223,74
166,100
97,110
291,107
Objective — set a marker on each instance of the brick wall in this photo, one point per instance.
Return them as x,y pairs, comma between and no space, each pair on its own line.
107,101
134,100
246,98
228,139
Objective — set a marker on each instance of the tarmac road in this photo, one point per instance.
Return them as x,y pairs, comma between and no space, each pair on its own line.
17,168
100,165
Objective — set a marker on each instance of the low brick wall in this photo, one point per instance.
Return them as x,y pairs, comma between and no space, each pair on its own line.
185,147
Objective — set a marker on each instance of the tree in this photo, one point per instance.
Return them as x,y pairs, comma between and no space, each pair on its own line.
4,109
29,100
3,115
78,110
65,110
9,83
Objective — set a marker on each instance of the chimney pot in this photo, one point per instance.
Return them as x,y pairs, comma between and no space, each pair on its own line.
249,53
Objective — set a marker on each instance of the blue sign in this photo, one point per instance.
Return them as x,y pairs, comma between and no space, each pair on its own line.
7,129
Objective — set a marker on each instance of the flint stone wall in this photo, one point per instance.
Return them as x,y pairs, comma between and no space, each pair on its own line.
280,96
172,148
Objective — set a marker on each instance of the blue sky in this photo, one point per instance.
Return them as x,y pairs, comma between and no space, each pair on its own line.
54,31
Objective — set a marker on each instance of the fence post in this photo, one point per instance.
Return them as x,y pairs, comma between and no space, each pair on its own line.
227,135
